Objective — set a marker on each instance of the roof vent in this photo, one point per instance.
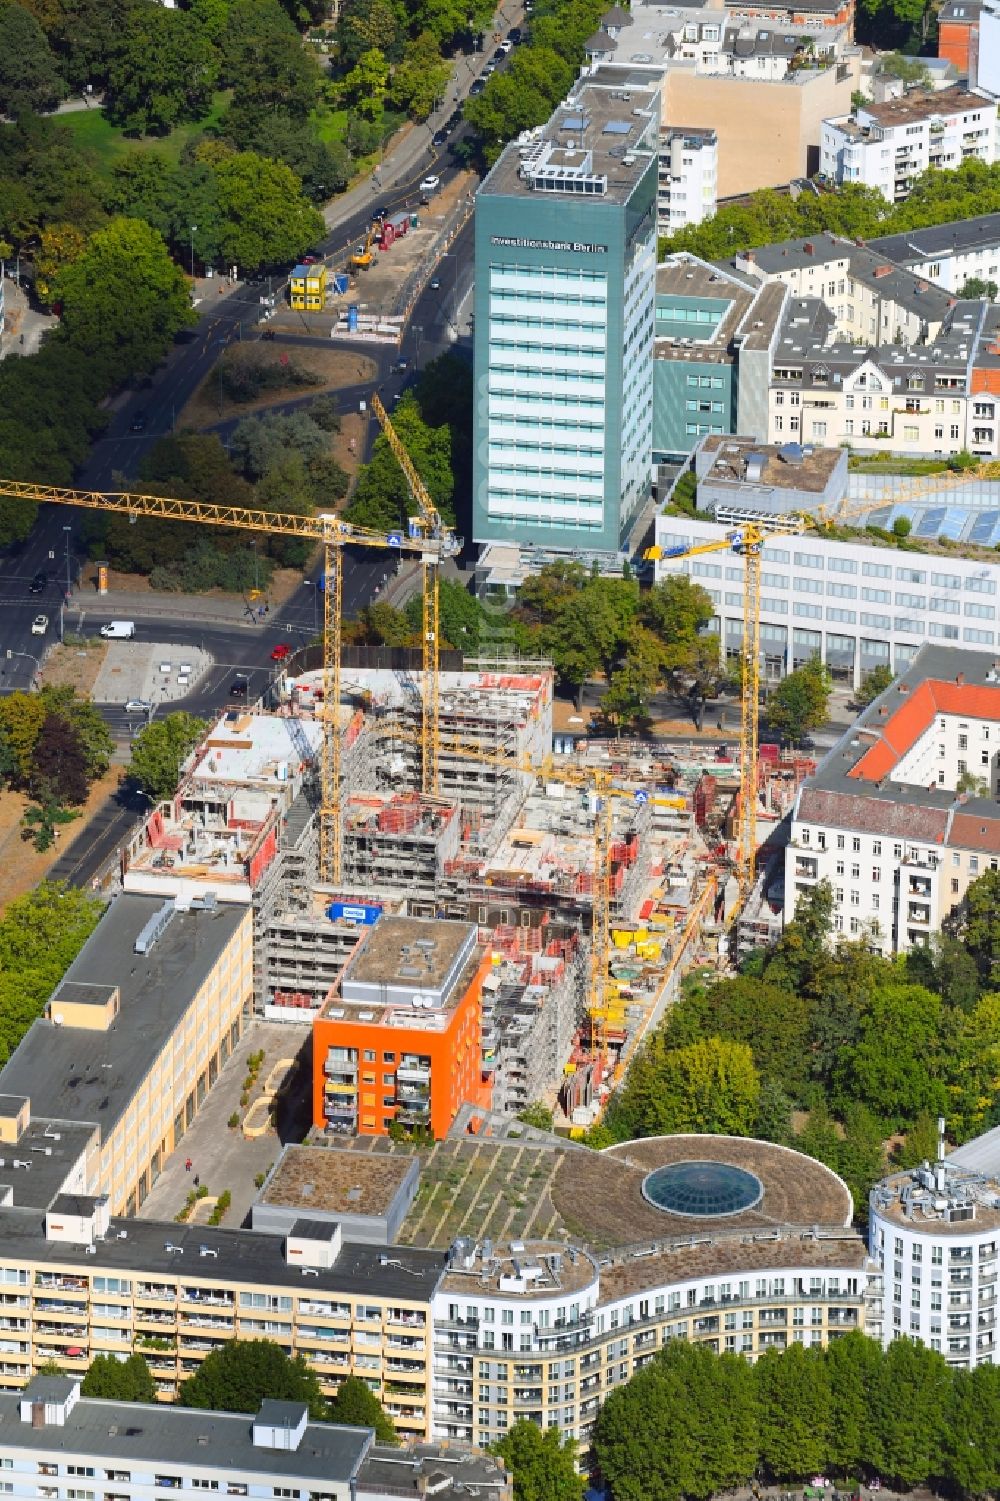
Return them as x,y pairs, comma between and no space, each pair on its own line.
153,929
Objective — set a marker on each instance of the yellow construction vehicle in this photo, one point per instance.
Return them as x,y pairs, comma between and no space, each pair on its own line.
365,254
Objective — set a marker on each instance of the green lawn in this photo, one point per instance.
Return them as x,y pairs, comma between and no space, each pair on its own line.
330,124
108,143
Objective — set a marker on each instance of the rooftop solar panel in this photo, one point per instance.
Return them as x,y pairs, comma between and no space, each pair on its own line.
984,527
930,522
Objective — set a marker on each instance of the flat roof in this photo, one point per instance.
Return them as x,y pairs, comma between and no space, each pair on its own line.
135,1432
803,468
245,747
953,238
308,1179
53,1148
594,133
687,276
738,1254
408,952
904,1200
421,1470
74,1074
544,1267
139,1247
920,106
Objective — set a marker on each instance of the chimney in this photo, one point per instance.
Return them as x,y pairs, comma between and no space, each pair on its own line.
749,257
960,678
38,1414
904,687
809,248
882,271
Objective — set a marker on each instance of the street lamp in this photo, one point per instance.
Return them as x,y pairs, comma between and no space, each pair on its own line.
193,228
416,358
67,530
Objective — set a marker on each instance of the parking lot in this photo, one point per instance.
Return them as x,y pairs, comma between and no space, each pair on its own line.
156,672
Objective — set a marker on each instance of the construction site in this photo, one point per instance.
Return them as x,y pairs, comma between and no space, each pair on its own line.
509,846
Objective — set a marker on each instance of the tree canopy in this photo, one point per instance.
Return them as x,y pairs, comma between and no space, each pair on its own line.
159,750
801,701
119,1380
542,1463
357,1406
41,934
240,1374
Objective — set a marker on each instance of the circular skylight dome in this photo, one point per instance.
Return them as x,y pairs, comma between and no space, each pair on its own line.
703,1189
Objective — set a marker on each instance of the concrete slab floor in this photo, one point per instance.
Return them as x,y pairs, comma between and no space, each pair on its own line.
134,669
221,1157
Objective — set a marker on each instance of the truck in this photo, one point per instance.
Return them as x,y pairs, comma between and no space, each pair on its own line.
119,630
393,228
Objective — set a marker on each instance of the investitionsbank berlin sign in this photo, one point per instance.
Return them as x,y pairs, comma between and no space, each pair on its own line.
514,242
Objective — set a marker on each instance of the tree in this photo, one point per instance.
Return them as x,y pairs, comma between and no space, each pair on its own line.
239,1375
265,219
21,718
265,63
123,300
908,1410
382,497
60,244
909,70
462,616
421,79
979,925
896,1066
682,1429
707,1086
366,83
901,527
774,1022
368,24
379,624
972,1431
85,719
59,770
163,71
29,74
875,682
538,1115
800,702
975,288
357,1406
159,751
542,1463
795,1416
259,442
852,1364
634,681
119,1380
41,934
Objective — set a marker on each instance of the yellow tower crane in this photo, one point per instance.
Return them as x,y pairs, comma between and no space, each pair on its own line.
332,532
438,541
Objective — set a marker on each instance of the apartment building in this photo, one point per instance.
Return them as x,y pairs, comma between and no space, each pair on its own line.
934,1232
59,1446
883,820
886,146
565,231
948,254
986,45
543,1330
870,300
79,1283
401,1038
133,1039
854,603
765,76
688,178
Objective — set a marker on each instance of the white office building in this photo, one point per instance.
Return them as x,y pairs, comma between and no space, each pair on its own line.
886,146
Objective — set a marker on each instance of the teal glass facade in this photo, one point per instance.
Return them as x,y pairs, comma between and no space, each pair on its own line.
691,397
564,303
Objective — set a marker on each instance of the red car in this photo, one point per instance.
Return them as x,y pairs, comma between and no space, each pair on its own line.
281,652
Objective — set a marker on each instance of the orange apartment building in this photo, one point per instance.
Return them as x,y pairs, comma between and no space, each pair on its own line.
958,35
399,1038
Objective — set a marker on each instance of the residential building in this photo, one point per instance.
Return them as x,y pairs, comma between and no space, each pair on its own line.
132,1040
688,176
856,603
870,300
307,288
565,229
933,1233
958,37
765,76
543,1330
78,1283
886,146
948,254
400,1040
883,819
56,1443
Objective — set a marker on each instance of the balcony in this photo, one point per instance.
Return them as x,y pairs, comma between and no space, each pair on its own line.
917,913
806,868
414,1073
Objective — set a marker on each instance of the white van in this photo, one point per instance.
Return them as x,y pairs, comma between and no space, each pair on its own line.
119,630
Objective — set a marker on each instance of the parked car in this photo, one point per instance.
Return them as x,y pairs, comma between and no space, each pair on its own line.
488,71
39,583
430,184
439,138
281,652
435,284
138,423
39,625
240,686
514,35
477,88
137,706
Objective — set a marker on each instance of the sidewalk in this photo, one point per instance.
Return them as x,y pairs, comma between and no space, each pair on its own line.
143,604
22,322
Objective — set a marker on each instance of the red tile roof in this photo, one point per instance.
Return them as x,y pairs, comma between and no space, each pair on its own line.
872,815
976,831
915,715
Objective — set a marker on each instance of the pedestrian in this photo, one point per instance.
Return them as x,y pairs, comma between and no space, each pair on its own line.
188,1165
197,1180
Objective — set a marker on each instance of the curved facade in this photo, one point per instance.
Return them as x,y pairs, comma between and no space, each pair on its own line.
934,1235
543,1329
